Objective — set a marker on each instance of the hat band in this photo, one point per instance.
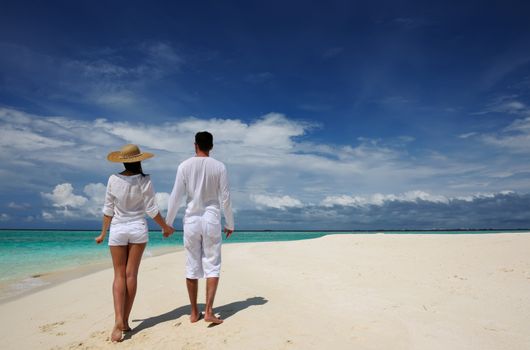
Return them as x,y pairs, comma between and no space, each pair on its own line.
131,156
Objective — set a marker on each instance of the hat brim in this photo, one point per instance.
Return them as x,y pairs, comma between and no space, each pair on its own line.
116,157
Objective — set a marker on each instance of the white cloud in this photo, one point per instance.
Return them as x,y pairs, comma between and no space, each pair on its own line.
343,200
70,205
467,135
380,199
63,196
47,216
162,199
515,137
26,140
95,194
278,202
519,125
506,105
513,106
87,206
4,217
476,196
103,80
18,206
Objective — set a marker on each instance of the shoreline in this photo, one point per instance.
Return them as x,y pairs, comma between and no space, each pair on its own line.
17,288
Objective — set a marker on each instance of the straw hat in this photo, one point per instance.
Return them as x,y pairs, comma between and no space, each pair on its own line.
128,154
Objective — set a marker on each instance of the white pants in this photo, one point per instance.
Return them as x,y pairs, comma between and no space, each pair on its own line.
202,242
128,232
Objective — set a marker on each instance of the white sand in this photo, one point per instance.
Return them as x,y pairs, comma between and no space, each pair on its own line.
336,292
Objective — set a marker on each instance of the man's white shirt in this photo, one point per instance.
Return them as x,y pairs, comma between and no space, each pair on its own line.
203,183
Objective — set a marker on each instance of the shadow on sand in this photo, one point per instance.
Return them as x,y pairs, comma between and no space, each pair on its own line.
225,311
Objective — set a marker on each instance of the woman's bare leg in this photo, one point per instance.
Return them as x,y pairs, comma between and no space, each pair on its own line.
131,273
119,261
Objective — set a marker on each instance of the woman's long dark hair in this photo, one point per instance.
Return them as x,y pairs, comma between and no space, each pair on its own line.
135,168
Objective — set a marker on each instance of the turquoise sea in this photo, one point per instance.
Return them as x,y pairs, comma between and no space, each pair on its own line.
25,255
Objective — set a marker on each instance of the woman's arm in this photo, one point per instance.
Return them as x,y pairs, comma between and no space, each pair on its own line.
151,208
108,212
104,228
166,229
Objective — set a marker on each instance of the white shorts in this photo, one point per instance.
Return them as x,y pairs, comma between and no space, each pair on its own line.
128,232
202,242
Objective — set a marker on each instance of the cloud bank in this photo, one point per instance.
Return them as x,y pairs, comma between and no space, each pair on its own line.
273,164
506,210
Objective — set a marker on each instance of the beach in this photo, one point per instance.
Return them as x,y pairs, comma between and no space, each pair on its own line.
373,291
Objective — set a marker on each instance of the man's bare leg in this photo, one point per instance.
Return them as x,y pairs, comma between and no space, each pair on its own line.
211,288
193,286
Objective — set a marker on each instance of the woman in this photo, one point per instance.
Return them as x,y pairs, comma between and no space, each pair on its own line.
129,196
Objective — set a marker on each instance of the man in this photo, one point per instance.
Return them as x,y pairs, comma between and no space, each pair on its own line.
203,181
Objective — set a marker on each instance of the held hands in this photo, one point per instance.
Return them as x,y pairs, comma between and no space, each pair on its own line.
168,231
228,232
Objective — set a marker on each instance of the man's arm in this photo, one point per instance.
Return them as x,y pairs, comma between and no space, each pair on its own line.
226,203
176,197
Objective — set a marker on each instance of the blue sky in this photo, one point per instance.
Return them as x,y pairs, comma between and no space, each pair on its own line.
327,114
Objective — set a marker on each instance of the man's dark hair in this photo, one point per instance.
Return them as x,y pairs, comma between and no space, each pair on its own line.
204,141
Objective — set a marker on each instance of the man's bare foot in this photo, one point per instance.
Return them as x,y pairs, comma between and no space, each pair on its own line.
126,328
116,334
212,319
195,316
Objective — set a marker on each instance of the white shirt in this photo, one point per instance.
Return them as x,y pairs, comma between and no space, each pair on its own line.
129,198
203,182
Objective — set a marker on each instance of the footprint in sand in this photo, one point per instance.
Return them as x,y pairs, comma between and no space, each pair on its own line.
192,346
505,269
50,326
97,334
81,345
460,277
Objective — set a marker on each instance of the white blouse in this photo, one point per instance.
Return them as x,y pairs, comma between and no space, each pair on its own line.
128,198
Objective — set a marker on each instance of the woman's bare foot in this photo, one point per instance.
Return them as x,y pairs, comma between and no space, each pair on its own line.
212,319
116,335
126,328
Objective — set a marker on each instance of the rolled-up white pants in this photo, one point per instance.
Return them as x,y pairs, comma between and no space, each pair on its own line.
202,242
